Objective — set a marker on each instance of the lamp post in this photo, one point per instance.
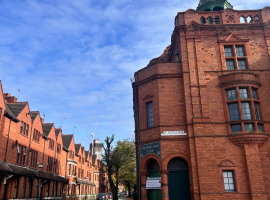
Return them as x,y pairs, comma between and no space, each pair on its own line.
40,168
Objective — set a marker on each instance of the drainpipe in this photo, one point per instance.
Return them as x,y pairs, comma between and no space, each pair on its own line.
30,140
138,129
8,140
43,153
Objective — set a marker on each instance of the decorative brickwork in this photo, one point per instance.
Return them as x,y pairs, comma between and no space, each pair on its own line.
212,86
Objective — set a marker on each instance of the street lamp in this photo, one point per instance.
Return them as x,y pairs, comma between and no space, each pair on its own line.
40,168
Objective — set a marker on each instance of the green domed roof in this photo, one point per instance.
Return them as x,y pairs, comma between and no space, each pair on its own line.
213,5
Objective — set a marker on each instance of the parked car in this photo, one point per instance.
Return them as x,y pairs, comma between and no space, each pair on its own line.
118,194
102,196
110,195
124,193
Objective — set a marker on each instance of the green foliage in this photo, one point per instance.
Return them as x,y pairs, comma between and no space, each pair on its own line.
113,179
127,172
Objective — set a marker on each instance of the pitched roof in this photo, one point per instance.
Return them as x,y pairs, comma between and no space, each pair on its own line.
94,159
17,107
10,114
47,128
57,131
77,148
34,115
86,155
82,149
67,140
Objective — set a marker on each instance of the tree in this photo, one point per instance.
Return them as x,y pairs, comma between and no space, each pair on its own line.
121,163
127,172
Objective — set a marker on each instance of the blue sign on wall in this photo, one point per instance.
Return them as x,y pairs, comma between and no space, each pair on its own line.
150,148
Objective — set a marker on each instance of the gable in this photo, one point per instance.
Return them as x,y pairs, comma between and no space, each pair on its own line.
232,38
17,108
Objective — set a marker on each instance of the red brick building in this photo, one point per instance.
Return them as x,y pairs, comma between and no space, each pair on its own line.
38,161
202,109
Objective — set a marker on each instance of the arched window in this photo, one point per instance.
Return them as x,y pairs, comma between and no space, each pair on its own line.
217,20
202,20
242,19
256,18
217,8
153,166
177,164
249,19
210,20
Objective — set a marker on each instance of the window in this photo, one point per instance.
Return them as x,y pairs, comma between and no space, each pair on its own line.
242,64
230,65
240,51
16,188
243,93
58,148
231,94
150,121
80,159
49,164
24,128
30,188
228,51
254,93
21,128
67,189
36,190
24,187
217,20
69,166
48,189
51,144
21,153
75,169
83,159
36,135
82,173
79,172
235,57
55,189
27,129
260,127
228,181
257,111
246,110
233,109
56,166
33,159
242,106
236,127
249,127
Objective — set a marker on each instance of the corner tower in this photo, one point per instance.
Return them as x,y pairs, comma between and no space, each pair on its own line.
213,5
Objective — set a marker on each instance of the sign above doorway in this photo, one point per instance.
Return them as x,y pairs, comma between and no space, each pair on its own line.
172,133
150,148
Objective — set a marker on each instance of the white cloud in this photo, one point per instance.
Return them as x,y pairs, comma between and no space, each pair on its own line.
74,58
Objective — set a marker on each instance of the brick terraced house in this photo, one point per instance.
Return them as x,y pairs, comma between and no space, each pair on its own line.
202,109
38,161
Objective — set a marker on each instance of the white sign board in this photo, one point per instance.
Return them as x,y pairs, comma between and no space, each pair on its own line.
172,133
153,183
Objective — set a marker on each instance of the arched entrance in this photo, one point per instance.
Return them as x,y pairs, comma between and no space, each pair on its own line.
178,180
153,169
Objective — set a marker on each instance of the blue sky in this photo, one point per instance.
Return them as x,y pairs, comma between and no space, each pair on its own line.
74,58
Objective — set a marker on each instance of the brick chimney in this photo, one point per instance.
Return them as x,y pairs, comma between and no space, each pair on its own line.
42,120
10,99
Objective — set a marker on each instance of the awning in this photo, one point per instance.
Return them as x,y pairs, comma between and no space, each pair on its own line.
9,168
85,182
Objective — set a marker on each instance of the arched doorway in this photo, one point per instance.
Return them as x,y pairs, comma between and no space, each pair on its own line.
178,180
153,169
